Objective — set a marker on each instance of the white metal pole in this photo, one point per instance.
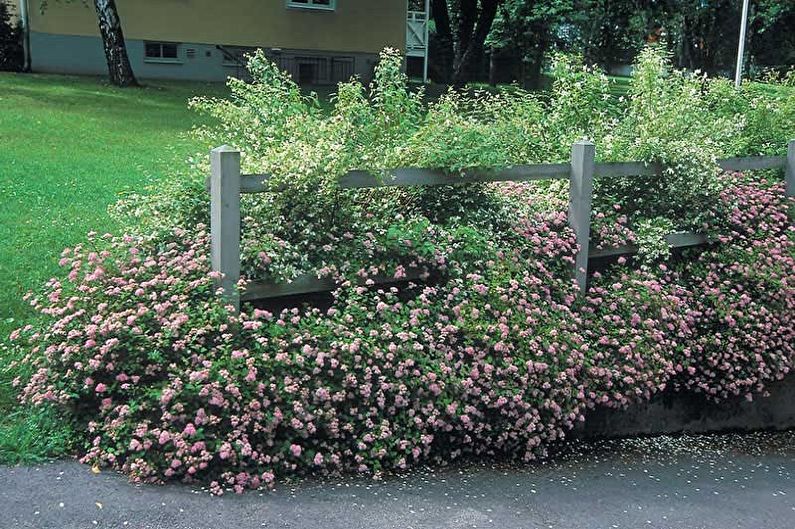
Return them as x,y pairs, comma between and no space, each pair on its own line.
23,17
427,46
427,22
738,76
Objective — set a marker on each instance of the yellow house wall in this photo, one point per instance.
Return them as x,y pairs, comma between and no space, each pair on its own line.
355,26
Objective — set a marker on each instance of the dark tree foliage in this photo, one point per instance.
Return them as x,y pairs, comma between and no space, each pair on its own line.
773,42
525,31
520,34
458,46
701,34
12,56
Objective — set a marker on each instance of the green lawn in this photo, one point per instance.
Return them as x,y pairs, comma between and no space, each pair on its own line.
68,147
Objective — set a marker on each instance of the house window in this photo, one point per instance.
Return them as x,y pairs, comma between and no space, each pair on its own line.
161,52
328,5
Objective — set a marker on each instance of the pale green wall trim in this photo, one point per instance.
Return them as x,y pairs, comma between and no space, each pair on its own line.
74,54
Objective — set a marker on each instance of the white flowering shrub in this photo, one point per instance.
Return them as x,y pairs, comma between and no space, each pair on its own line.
667,119
681,120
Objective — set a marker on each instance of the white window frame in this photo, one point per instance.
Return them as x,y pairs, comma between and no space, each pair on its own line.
164,60
332,6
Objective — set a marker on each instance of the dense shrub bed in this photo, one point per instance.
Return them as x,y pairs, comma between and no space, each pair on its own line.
492,353
498,357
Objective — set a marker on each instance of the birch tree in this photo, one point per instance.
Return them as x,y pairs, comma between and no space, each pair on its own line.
119,69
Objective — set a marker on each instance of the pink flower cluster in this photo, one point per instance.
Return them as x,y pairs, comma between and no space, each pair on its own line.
498,358
612,229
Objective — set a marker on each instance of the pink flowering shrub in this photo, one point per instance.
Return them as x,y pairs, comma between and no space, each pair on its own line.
126,309
612,229
743,307
729,322
495,355
634,327
514,348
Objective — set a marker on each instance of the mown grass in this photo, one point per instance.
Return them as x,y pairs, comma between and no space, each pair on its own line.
68,147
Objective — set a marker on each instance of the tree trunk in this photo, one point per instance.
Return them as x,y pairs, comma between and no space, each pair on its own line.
536,63
493,68
467,16
119,69
686,56
442,50
472,54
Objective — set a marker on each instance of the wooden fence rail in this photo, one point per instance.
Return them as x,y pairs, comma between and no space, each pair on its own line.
226,184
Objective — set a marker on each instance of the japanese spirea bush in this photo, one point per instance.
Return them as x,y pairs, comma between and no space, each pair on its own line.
489,353
494,356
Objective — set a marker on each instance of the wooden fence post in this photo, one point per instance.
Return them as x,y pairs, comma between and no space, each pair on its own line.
225,219
583,154
790,170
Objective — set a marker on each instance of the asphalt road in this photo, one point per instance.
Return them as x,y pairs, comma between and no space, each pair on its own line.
721,482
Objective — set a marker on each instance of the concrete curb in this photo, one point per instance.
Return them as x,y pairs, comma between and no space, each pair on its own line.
675,412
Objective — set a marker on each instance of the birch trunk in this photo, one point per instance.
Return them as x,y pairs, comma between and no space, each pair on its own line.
119,68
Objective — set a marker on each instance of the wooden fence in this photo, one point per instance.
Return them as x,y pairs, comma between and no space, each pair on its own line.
226,184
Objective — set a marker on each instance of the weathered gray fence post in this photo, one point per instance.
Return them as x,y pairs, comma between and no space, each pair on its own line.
790,170
225,219
583,154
